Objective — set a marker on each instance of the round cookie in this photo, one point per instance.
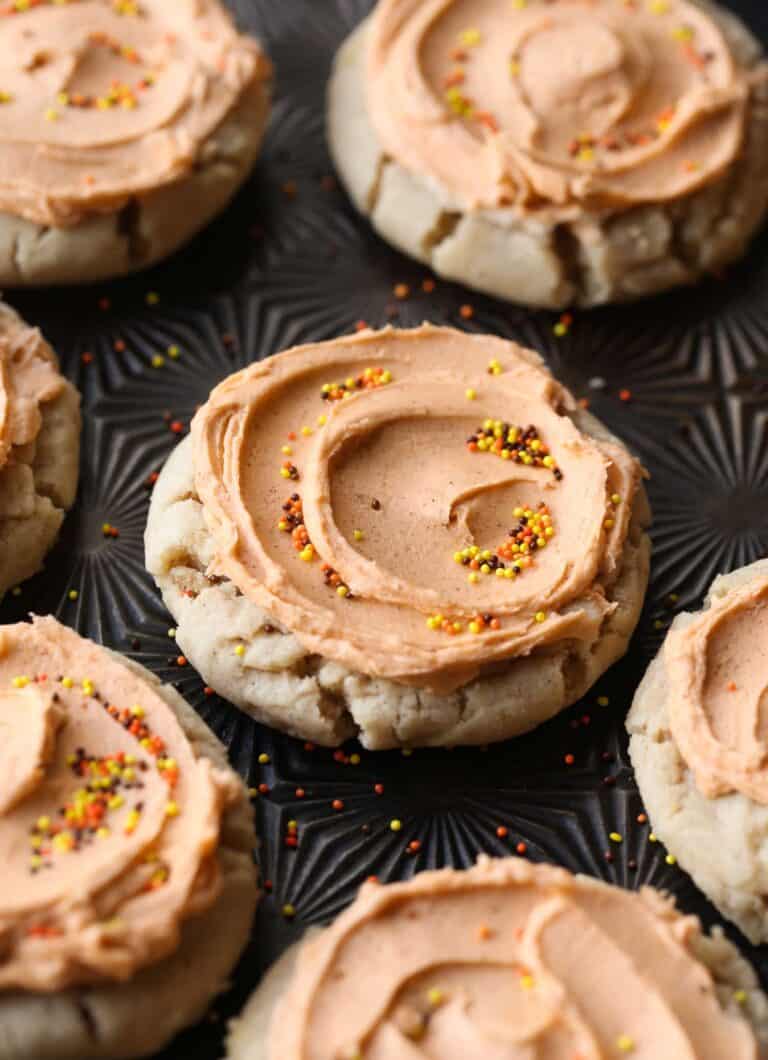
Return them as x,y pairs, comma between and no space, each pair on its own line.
514,148
72,984
125,128
342,597
507,954
701,775
39,448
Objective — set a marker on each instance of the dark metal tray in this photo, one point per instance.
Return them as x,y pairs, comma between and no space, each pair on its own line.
682,378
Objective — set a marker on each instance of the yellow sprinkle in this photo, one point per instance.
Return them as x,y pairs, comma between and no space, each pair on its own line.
6,97
286,450
473,578
471,393
652,837
494,368
659,7
20,682
67,682
240,650
435,996
671,859
740,997
173,351
457,627
358,535
625,1044
116,802
306,431
395,825
158,360
342,590
102,833
285,473
616,837
474,627
540,616
609,524
73,594
51,114
264,759
603,701
615,499
526,982
43,824
152,298
354,760
307,554
172,809
470,37
288,911
322,420
138,712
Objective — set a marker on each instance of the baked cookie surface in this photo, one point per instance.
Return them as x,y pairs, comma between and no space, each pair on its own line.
506,959
124,128
697,745
414,537
39,448
127,843
516,148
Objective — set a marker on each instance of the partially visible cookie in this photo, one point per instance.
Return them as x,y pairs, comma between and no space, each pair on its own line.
698,745
415,537
515,147
39,448
124,129
506,959
127,841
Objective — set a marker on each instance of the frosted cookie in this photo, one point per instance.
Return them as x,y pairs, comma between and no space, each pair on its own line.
39,448
125,126
126,842
555,152
698,745
507,959
414,537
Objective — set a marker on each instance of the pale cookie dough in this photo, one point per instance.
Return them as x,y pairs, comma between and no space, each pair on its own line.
39,471
138,1017
722,841
291,987
244,652
123,197
551,257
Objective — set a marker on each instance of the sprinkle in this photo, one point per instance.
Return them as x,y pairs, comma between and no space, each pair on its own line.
158,360
616,837
602,701
625,1044
288,911
466,312
625,395
740,997
540,616
172,809
521,848
152,298
569,759
471,394
174,352
6,97
471,37
401,291
526,982
671,859
264,759
73,594
240,650
51,114
67,682
20,682
395,825
494,367
358,535
435,996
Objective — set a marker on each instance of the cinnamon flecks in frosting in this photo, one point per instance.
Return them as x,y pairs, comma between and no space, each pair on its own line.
718,676
109,841
369,585
555,105
104,101
506,960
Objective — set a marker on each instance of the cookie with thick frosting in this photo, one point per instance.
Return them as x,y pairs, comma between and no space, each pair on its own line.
555,151
126,840
124,128
506,960
39,448
698,744
415,537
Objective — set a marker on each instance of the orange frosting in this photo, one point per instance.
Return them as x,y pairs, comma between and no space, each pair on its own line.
507,961
29,377
368,494
556,106
718,693
109,822
101,100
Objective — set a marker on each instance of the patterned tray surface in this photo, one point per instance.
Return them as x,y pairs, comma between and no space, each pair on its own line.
682,378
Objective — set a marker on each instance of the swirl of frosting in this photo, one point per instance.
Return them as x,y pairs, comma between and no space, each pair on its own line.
558,105
109,821
29,378
718,692
506,961
101,100
415,505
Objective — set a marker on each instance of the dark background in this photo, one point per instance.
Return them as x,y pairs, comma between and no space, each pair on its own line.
291,262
